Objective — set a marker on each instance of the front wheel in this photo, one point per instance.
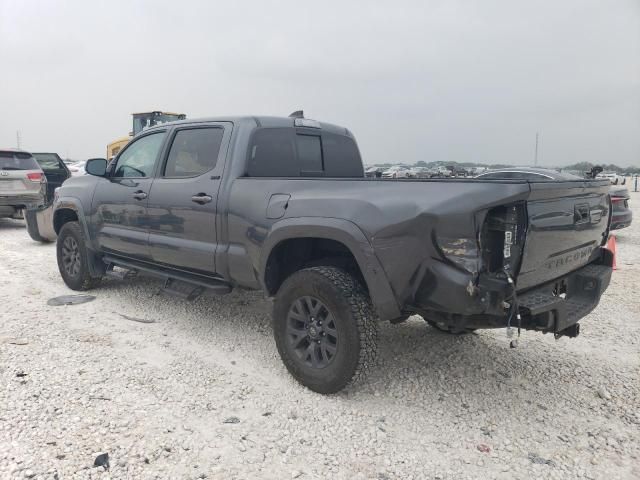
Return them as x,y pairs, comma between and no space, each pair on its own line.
73,258
325,328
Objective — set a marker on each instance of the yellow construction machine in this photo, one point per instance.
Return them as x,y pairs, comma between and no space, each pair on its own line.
142,121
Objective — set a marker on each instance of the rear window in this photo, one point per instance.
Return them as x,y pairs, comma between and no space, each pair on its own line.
309,154
17,161
288,152
342,157
48,161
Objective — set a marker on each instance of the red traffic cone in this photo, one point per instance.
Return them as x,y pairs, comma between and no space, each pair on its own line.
611,246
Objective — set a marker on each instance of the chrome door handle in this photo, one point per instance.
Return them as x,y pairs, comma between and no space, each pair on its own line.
140,195
201,198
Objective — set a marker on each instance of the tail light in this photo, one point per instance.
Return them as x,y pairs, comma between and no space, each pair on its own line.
36,177
502,237
499,246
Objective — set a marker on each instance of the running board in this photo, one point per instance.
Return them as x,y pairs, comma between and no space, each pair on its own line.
120,274
188,291
181,284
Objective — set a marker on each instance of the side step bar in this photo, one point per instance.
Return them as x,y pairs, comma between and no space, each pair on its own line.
180,284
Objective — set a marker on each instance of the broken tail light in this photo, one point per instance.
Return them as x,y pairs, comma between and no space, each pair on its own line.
502,238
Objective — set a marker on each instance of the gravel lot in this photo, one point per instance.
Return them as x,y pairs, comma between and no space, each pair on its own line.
201,392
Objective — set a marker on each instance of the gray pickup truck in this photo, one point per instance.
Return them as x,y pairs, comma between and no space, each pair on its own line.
282,205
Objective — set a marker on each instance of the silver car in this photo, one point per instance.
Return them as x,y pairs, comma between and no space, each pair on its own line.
397,171
22,183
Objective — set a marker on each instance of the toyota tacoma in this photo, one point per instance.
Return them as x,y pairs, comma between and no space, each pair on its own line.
282,204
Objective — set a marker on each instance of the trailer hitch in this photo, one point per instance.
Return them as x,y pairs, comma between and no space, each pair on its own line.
572,332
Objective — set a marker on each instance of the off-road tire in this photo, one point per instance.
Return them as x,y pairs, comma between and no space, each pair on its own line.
354,319
82,280
31,219
449,329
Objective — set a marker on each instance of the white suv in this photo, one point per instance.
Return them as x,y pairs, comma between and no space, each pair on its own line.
22,183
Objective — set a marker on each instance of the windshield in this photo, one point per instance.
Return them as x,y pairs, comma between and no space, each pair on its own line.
147,120
48,161
17,161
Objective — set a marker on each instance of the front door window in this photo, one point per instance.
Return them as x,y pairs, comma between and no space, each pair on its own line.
140,157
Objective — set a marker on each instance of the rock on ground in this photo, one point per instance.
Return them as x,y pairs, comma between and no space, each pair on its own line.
201,392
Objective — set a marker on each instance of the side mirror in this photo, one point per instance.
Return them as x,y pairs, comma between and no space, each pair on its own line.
96,166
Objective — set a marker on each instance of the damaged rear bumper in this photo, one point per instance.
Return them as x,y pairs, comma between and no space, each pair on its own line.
554,306
557,306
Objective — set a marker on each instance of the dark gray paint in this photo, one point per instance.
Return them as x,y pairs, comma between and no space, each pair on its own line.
396,230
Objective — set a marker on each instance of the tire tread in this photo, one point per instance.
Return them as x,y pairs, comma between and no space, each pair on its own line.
362,312
87,282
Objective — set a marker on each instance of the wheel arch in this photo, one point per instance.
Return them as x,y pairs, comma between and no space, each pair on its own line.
299,241
69,209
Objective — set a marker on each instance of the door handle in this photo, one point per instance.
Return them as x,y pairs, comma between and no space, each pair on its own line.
201,198
140,195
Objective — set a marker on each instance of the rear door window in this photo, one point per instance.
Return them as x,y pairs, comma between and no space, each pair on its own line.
193,152
17,161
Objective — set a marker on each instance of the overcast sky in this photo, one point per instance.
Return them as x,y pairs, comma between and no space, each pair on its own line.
414,80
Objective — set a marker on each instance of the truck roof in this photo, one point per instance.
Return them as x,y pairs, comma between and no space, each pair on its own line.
260,121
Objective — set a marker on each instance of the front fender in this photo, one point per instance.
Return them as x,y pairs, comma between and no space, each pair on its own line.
350,236
69,203
62,204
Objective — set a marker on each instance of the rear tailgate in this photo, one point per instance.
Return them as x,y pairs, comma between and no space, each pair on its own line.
567,222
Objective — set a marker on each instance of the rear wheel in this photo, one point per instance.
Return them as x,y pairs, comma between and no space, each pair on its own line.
31,220
73,260
325,328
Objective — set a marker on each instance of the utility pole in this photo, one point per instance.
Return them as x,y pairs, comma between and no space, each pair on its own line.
18,139
535,158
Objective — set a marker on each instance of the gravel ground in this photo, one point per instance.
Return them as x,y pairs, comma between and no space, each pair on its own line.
201,391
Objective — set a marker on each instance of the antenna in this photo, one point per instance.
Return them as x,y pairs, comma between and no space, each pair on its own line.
297,114
535,158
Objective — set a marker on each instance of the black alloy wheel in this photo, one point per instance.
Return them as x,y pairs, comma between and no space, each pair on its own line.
311,332
71,257
325,328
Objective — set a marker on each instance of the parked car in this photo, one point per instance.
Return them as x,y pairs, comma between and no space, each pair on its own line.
77,168
287,211
421,172
22,183
527,173
397,171
374,172
442,172
621,214
613,177
54,169
39,219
